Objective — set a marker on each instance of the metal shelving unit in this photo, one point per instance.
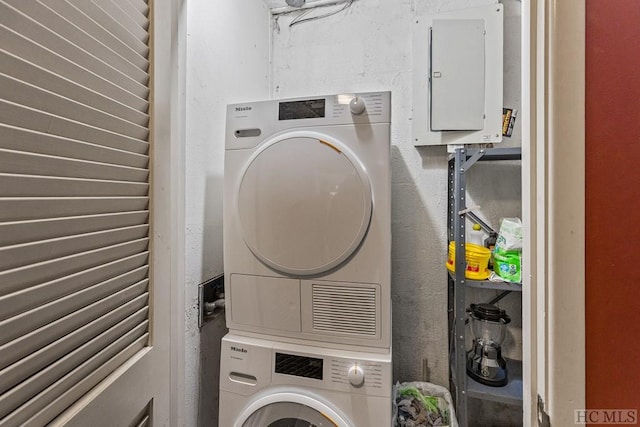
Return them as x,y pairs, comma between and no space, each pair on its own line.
510,394
493,286
463,387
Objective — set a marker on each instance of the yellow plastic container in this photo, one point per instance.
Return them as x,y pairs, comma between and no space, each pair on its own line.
477,258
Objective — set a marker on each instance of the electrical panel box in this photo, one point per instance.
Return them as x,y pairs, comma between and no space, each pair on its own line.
458,75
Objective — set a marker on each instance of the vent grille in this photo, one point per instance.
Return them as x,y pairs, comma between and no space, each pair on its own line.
346,310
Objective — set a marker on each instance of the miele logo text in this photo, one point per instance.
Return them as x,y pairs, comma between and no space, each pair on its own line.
238,349
243,108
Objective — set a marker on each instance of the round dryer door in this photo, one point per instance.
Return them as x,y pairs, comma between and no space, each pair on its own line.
288,414
304,204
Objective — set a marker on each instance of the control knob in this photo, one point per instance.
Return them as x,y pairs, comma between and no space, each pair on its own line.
356,375
357,106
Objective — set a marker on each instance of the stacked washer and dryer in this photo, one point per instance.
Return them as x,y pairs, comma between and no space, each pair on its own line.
307,245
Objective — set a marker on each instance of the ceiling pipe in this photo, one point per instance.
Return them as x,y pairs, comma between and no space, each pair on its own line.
309,5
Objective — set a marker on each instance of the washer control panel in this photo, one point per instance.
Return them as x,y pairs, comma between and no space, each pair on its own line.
349,371
361,373
250,364
356,373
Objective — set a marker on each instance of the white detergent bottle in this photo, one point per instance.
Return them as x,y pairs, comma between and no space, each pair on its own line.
475,235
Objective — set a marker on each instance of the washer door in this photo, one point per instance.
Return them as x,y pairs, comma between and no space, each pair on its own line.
304,203
289,409
287,414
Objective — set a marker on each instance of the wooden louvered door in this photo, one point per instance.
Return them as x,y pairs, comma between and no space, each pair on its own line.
84,289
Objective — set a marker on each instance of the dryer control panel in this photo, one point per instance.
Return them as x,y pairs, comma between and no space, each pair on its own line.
340,106
249,124
304,109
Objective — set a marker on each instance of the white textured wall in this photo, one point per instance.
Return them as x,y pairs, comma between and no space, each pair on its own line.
227,62
368,48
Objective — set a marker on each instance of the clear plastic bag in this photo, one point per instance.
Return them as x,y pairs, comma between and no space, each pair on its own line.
507,254
405,391
510,235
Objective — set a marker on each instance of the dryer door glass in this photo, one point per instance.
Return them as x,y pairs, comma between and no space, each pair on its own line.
288,414
304,205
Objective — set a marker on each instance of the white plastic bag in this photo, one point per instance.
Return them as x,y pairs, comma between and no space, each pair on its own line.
510,235
427,389
507,254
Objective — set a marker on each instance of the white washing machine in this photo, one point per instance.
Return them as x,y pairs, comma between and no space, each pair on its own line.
307,233
268,384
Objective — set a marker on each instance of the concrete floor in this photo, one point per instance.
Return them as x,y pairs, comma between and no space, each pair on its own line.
491,414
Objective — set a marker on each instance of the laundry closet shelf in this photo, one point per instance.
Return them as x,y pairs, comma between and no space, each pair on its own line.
486,284
510,394
492,154
461,160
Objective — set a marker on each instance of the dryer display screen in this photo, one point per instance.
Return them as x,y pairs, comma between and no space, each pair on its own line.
307,109
299,366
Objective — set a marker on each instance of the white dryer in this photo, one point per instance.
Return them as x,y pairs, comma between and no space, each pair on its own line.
266,384
307,240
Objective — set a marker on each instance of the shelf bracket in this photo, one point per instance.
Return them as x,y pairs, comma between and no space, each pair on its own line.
472,160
